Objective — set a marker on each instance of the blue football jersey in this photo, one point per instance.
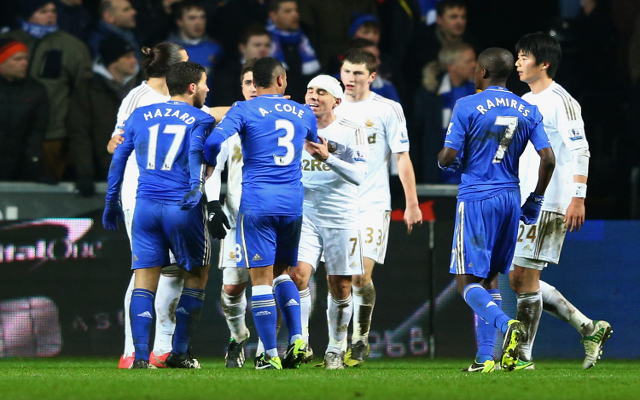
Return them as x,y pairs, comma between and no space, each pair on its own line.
491,130
168,139
272,131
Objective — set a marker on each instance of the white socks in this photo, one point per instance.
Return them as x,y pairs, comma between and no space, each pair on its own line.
305,312
529,310
339,313
558,306
235,308
364,299
166,301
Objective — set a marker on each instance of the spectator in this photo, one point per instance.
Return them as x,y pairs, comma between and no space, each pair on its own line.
24,111
365,26
255,43
428,13
327,23
59,61
380,85
450,27
117,17
154,20
191,20
444,82
74,18
231,19
94,108
292,47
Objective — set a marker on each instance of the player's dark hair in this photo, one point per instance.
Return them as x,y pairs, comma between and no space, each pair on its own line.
178,9
253,30
157,61
247,67
499,62
274,5
544,48
183,74
361,56
444,5
264,71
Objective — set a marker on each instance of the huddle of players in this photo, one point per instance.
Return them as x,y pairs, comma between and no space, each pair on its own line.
335,169
488,137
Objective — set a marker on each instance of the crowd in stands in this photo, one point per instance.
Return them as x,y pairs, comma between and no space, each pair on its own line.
65,65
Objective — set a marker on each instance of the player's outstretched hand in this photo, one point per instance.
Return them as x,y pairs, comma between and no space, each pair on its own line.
113,144
531,209
319,151
575,215
112,214
217,220
412,217
190,200
451,168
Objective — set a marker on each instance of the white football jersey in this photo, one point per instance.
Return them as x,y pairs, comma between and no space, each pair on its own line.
563,122
386,129
231,153
140,96
329,200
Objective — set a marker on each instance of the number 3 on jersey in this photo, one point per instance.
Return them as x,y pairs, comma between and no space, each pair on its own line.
178,131
285,141
512,124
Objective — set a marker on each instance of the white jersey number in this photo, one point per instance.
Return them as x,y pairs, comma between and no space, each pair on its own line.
285,141
512,124
178,131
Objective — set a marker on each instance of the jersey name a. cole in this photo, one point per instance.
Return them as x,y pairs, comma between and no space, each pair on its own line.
231,154
491,130
166,138
272,131
565,127
386,129
329,200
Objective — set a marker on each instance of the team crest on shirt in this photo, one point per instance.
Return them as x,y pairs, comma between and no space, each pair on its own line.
575,134
368,123
232,255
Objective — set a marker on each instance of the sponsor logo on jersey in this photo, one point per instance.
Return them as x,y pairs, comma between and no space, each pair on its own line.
145,314
257,257
369,123
372,139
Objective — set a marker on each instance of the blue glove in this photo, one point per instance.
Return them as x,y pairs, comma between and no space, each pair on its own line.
190,200
112,213
531,209
451,168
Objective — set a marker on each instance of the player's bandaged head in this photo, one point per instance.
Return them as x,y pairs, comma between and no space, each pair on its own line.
9,48
328,83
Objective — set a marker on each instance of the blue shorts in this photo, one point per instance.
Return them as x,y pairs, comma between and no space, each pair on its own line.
484,239
158,228
264,240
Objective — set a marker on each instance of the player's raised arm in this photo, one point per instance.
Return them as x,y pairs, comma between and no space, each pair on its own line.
216,218
232,123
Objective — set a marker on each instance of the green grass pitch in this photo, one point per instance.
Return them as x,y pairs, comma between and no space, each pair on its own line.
86,378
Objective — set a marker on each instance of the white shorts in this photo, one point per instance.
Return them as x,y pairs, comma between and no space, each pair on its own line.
342,249
542,242
374,231
128,222
227,258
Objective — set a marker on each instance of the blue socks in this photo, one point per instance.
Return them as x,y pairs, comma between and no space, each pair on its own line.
265,316
288,299
486,333
187,315
141,313
483,304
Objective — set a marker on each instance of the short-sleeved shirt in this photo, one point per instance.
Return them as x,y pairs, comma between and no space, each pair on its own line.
491,129
386,129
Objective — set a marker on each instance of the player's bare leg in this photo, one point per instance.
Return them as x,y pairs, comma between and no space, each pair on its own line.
234,305
364,300
167,296
301,276
141,312
594,333
525,281
340,310
187,316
